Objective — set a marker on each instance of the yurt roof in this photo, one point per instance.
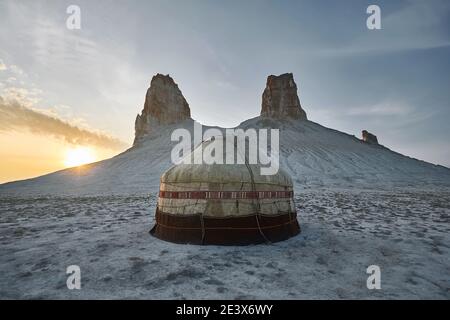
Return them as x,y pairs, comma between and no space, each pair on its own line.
223,173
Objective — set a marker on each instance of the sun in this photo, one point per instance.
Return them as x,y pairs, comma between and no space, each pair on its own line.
79,156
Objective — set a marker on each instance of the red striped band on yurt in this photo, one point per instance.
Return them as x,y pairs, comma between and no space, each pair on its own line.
225,194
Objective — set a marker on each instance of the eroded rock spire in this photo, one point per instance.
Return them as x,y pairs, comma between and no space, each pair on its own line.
280,99
164,104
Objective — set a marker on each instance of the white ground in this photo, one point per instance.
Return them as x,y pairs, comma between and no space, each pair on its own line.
343,232
358,205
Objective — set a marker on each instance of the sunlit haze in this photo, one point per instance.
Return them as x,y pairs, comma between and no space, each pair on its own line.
79,156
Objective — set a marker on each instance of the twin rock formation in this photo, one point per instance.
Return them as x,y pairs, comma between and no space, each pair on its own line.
165,104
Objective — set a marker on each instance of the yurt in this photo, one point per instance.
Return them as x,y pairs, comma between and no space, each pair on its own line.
224,204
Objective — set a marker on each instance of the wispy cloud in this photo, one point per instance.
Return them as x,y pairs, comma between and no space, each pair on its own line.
386,108
16,70
17,116
11,79
21,95
418,25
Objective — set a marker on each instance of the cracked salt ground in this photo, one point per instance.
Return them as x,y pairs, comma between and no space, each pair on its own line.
343,232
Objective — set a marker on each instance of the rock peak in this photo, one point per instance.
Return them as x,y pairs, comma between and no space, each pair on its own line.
369,137
280,99
164,104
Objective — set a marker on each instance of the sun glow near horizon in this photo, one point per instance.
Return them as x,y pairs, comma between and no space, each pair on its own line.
25,155
20,158
79,156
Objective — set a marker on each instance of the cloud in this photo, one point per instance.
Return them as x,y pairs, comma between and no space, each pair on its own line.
2,65
386,108
17,116
22,96
16,70
417,25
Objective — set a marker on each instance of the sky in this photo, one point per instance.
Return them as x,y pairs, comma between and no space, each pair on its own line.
63,89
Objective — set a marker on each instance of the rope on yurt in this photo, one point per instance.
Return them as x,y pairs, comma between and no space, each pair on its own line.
258,206
202,222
